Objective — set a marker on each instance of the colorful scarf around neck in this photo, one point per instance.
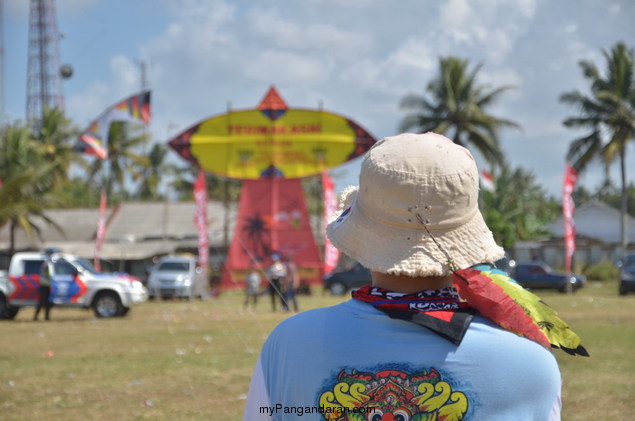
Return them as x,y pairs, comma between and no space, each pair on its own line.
441,311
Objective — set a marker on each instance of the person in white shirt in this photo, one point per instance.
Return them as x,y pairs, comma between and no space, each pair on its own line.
276,273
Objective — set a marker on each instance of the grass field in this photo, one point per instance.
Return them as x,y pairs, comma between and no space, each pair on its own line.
178,360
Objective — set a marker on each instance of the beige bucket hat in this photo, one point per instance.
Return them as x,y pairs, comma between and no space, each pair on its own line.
408,183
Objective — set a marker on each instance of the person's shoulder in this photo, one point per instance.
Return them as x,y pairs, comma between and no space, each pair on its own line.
310,319
484,333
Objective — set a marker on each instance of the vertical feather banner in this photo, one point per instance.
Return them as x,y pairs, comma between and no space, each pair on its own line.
331,254
101,231
200,219
568,210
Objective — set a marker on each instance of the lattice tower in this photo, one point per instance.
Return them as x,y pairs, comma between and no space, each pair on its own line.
44,84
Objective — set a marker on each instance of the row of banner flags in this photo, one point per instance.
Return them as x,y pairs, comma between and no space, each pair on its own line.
136,108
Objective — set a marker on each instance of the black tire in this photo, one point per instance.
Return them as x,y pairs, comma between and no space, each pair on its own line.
338,288
108,304
623,290
7,311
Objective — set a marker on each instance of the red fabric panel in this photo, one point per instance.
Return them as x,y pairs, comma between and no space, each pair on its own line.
272,217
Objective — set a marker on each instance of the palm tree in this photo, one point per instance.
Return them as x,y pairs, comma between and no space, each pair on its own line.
456,104
27,183
122,159
150,176
609,114
518,208
54,142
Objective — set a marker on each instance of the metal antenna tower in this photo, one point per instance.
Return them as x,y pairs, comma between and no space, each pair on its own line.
44,84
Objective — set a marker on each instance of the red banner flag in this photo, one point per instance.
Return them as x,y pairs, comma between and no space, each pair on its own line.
568,210
200,219
101,231
331,254
487,181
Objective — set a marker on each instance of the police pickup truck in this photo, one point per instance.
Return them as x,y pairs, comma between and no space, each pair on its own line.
74,283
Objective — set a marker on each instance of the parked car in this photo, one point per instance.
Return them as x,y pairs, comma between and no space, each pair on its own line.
339,283
539,275
176,276
627,274
506,264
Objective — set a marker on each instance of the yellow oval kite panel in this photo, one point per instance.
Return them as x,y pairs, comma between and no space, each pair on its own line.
288,143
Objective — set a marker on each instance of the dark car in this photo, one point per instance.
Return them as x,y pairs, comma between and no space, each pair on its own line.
341,282
539,275
627,274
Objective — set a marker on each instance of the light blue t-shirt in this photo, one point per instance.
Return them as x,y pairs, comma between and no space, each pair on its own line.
354,359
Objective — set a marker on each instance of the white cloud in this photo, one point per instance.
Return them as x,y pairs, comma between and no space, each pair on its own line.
126,74
615,9
489,25
361,57
87,105
64,7
313,37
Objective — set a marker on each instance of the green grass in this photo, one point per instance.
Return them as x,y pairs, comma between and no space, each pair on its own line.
180,360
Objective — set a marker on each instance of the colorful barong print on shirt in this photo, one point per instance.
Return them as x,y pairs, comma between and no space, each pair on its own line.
392,394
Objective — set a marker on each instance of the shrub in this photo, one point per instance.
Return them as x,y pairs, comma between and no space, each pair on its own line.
603,271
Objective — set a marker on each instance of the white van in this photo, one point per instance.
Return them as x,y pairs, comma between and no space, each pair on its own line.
176,276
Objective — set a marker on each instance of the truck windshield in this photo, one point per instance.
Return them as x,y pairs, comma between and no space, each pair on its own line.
86,265
174,267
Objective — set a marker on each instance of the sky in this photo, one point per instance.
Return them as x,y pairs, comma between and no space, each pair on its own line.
357,58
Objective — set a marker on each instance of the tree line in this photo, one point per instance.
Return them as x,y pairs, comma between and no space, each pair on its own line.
455,104
39,169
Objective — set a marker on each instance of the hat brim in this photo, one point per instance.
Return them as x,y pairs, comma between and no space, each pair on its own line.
399,251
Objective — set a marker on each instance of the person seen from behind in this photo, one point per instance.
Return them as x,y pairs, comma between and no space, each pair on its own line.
291,283
425,340
252,287
44,301
276,273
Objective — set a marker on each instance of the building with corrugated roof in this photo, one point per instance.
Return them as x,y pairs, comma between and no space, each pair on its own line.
598,237
136,233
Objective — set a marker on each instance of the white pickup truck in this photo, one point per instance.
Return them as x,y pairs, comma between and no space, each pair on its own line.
74,283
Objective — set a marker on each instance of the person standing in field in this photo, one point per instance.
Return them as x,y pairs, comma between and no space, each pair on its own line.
409,346
276,273
44,301
291,284
252,287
